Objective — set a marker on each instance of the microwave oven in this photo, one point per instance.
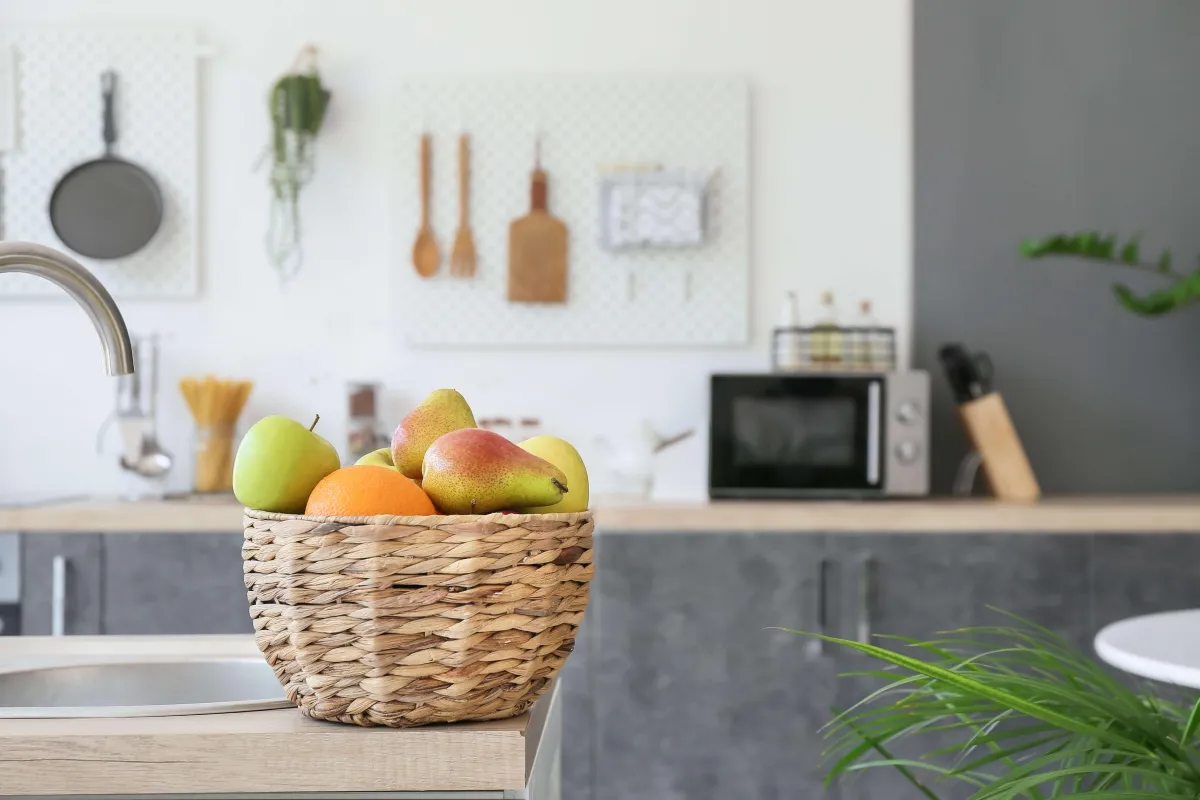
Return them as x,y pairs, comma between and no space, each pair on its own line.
819,435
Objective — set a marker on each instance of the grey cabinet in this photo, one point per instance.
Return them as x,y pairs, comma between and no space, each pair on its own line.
693,695
79,602
679,687
578,716
1143,573
919,585
174,584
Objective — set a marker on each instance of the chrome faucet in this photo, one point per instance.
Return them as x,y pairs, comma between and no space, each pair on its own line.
82,285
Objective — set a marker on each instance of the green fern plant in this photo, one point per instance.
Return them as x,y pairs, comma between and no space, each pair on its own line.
1034,717
1184,289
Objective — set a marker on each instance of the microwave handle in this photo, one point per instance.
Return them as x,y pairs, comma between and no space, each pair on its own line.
58,596
874,434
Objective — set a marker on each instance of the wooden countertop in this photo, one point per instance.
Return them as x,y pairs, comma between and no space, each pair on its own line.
261,751
1095,514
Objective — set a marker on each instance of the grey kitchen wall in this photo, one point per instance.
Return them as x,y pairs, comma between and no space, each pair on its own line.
1035,116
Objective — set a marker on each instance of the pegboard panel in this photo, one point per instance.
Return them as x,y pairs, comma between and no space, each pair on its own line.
689,296
59,125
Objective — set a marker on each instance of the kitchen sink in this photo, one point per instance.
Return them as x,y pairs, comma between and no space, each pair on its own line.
143,688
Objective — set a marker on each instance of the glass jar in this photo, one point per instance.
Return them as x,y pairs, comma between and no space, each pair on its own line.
213,447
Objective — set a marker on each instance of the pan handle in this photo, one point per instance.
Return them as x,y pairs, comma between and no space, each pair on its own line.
108,87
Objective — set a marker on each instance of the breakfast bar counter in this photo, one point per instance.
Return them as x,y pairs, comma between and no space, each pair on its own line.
277,751
1083,514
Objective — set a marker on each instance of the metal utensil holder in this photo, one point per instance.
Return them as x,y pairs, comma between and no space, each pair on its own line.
829,348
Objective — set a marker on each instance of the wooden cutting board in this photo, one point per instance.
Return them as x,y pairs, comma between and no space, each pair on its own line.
537,251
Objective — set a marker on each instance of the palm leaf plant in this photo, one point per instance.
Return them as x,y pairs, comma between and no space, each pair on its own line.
1031,716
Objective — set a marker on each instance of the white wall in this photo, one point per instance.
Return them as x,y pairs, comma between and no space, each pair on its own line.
830,208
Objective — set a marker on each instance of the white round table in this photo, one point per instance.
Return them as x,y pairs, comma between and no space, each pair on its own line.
1162,647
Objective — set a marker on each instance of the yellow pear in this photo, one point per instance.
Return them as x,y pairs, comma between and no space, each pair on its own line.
443,411
561,454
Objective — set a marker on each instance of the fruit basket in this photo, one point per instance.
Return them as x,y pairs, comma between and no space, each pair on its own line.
405,621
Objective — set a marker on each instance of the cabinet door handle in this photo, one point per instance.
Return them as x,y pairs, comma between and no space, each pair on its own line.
58,596
818,645
866,597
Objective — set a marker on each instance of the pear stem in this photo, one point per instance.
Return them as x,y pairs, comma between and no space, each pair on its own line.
316,419
559,485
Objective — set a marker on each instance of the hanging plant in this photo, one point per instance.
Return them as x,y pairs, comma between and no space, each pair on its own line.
1182,291
296,105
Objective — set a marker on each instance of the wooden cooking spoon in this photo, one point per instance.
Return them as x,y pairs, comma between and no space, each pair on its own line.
462,255
426,258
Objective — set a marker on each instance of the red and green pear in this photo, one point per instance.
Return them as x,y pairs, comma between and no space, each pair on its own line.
475,471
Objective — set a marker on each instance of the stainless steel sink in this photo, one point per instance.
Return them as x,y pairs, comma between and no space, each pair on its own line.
139,689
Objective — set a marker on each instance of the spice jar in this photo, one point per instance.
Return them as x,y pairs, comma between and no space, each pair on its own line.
362,426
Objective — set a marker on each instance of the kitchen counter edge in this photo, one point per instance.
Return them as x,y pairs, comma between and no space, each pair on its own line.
1084,514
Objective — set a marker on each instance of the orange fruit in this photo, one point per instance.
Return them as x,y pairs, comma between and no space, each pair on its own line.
364,491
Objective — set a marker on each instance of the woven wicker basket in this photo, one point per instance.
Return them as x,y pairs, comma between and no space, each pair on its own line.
406,621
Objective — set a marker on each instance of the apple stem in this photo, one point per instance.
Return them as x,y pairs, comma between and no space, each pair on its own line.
559,485
316,419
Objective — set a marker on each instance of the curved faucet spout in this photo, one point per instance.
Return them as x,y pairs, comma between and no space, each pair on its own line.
82,285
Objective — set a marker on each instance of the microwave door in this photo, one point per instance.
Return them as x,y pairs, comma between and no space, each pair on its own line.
780,437
793,431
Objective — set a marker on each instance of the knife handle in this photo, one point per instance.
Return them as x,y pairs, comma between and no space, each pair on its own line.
983,371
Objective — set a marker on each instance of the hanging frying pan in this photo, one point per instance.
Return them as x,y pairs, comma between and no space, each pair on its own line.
108,207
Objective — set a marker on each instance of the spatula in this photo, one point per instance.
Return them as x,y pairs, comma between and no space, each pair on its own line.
537,248
462,255
426,258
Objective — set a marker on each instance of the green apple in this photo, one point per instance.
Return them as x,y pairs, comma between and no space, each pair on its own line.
279,462
561,454
377,458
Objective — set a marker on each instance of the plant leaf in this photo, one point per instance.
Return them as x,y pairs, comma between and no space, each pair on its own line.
1005,753
1056,245
908,775
1190,728
976,780
1006,790
1183,292
976,688
1129,253
1031,717
1107,795
1164,261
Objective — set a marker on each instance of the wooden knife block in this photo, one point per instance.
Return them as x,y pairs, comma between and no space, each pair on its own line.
1003,458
